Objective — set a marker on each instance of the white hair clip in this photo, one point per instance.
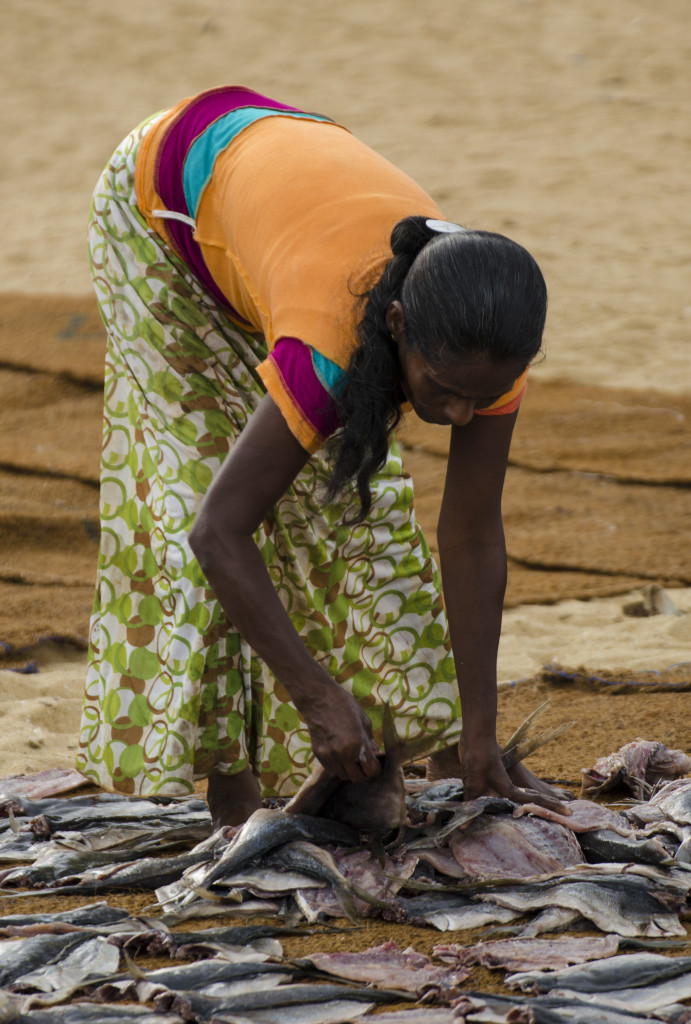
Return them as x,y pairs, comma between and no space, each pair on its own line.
444,227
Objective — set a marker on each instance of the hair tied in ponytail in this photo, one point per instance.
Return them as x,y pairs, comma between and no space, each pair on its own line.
444,227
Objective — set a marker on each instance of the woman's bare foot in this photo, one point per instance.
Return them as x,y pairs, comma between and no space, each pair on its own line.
232,798
445,764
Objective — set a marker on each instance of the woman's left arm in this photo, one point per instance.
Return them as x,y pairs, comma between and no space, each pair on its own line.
472,552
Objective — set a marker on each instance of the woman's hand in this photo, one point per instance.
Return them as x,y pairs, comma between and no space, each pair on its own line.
341,733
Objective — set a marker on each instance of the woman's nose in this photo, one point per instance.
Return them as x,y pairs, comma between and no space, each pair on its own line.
459,411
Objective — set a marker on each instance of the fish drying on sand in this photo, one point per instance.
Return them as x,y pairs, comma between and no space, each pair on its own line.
93,915
396,968
38,785
87,963
624,904
625,971
637,766
530,953
195,1006
145,873
145,985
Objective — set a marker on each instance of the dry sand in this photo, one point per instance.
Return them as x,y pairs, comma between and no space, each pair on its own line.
565,126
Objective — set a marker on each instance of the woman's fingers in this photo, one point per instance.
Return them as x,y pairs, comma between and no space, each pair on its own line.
534,796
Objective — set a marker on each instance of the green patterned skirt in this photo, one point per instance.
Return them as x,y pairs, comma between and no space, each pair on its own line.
173,692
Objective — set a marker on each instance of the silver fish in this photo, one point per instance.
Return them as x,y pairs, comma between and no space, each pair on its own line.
625,905
145,873
449,912
264,831
20,956
318,863
90,961
196,1006
337,1011
639,999
54,863
672,801
626,970
144,985
99,1013
90,916
161,940
604,845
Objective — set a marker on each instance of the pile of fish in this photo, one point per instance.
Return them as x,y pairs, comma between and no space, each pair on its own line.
433,859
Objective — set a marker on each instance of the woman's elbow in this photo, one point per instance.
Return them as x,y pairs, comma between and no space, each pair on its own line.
204,541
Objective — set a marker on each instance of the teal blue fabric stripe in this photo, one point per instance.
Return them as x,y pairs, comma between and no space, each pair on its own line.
331,376
199,162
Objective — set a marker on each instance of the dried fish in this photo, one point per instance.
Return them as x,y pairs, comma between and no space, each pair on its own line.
99,1013
530,954
20,956
670,803
423,1015
191,977
584,816
53,864
639,999
266,829
499,846
624,971
637,766
604,845
194,1006
90,961
337,1011
628,905
196,944
84,812
453,912
93,915
145,873
203,908
38,785
379,803
401,969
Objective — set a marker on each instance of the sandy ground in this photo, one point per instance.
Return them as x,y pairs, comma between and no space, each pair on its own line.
565,126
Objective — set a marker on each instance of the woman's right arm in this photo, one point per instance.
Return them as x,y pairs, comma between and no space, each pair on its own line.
258,471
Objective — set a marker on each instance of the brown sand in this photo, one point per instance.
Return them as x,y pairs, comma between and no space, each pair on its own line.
562,125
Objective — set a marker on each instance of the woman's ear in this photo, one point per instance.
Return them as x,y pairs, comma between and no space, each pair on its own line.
395,320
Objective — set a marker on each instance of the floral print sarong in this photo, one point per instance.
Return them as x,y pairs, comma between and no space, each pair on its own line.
173,692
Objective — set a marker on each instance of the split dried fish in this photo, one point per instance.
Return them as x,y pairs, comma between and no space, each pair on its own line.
404,969
530,954
21,956
452,912
494,846
625,971
145,873
92,915
89,962
38,785
627,905
637,766
194,1006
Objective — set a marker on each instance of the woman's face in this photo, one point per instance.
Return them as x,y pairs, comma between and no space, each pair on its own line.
450,394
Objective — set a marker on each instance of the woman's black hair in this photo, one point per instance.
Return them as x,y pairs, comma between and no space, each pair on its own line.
464,294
